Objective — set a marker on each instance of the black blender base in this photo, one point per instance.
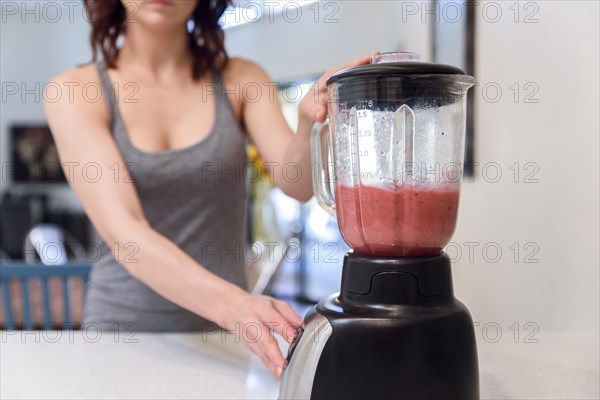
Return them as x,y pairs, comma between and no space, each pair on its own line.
398,333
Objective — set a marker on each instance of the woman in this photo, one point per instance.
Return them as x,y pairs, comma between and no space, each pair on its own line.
158,166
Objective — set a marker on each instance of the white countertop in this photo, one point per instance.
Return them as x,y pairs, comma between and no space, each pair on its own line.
196,366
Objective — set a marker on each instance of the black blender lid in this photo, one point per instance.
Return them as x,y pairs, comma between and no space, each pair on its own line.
386,64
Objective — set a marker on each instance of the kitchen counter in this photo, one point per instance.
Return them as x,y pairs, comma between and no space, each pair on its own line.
63,365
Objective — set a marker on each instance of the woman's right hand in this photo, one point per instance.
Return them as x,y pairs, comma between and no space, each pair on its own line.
256,317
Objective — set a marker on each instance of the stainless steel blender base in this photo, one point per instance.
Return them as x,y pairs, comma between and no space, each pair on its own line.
299,373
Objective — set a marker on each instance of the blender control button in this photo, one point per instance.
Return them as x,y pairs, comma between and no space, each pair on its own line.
293,344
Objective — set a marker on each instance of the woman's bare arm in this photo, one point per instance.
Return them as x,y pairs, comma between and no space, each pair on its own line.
286,152
82,135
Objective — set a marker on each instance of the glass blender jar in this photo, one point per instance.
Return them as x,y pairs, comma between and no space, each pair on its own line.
389,160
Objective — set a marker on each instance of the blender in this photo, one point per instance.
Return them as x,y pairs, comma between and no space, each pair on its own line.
388,164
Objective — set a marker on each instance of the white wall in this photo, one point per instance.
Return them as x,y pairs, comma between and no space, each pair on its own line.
559,54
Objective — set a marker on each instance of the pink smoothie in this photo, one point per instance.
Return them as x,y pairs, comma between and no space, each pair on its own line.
409,221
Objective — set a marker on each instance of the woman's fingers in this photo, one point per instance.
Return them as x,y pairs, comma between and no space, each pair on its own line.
366,59
293,319
259,349
318,111
271,348
265,346
278,322
269,315
287,311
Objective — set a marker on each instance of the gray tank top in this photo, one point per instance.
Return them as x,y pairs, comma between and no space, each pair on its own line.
196,197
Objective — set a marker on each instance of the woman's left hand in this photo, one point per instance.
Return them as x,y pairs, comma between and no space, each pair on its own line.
313,107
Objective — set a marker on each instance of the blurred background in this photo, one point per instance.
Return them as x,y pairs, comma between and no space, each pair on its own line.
526,250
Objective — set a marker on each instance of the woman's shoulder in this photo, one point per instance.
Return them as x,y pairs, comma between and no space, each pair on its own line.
82,75
77,91
243,70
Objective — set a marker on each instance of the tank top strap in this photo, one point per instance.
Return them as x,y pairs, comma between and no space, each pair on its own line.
225,108
218,88
108,92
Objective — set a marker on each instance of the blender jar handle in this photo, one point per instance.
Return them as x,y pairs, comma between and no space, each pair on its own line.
321,172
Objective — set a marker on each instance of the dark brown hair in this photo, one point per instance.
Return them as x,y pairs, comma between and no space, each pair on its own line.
206,40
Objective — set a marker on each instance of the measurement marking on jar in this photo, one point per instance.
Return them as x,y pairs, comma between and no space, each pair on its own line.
366,143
